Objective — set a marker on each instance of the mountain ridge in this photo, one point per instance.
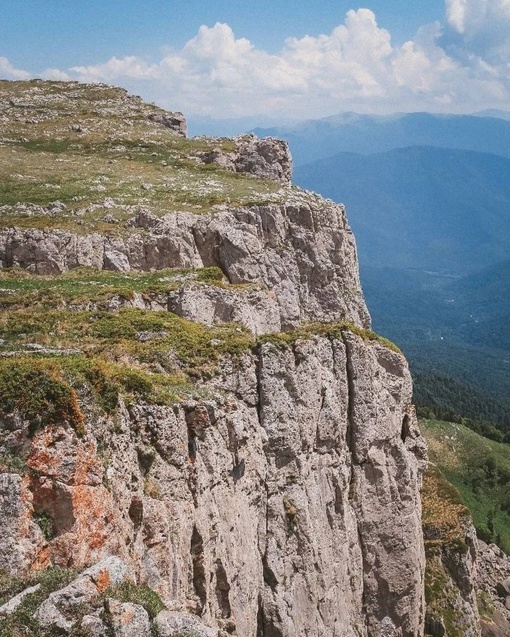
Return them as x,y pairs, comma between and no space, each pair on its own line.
191,400
456,202
366,134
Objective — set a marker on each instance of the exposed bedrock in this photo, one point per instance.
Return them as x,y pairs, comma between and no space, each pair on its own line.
287,507
268,158
305,254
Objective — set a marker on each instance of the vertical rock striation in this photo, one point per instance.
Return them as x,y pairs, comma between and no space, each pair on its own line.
289,507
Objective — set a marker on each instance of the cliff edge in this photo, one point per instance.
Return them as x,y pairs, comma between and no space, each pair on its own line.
199,433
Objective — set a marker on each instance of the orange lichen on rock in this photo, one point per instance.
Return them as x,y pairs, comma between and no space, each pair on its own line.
102,581
65,485
92,530
92,509
58,452
41,560
45,455
127,615
89,468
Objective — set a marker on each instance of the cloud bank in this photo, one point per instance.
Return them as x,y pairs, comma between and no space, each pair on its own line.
482,28
8,72
460,66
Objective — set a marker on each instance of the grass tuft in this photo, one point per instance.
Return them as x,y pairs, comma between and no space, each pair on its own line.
38,392
140,594
22,622
328,330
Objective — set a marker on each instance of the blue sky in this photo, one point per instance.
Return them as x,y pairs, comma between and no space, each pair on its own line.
229,58
45,33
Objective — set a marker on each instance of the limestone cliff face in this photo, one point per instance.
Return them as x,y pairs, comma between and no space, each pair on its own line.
281,497
303,252
289,506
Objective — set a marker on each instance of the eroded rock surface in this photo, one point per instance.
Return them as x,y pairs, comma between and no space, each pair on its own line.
173,624
290,506
60,607
304,253
493,583
279,496
268,158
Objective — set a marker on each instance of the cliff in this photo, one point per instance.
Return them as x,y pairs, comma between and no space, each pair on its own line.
192,405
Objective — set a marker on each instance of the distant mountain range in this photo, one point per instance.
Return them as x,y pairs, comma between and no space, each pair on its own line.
366,134
494,112
421,207
228,127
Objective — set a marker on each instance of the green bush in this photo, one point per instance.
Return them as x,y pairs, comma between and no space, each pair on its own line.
39,393
137,594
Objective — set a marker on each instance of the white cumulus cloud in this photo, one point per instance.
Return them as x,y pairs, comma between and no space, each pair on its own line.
115,69
9,72
470,16
482,28
459,66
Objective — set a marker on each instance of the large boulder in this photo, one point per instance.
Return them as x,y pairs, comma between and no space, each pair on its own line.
59,610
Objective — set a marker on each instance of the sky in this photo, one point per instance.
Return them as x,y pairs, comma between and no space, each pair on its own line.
270,58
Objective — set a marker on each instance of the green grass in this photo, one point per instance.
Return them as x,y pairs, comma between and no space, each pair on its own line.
62,357
38,391
20,288
479,469
443,513
329,330
117,153
81,181
444,518
137,594
12,463
22,622
155,357
138,335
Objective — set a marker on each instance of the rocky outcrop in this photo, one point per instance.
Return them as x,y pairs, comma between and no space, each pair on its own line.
173,121
268,158
493,584
273,493
289,507
59,609
173,624
451,549
17,521
305,254
10,607
256,309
